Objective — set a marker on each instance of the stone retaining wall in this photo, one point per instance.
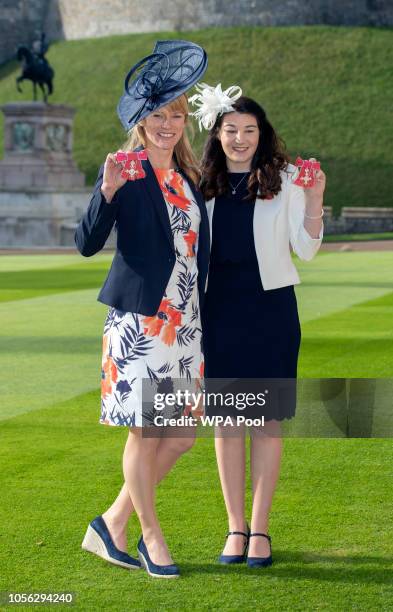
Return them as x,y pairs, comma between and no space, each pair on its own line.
358,220
22,20
55,217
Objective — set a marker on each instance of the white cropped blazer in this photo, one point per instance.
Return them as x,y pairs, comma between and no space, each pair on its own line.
277,224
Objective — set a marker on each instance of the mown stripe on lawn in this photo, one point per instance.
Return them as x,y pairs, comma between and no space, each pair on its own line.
26,284
335,280
50,349
339,280
355,342
45,261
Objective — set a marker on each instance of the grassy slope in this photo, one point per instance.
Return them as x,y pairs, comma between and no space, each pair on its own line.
326,89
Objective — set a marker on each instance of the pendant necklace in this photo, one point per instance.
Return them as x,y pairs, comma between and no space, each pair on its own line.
234,188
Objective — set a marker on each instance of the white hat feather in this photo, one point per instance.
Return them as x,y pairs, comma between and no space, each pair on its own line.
212,101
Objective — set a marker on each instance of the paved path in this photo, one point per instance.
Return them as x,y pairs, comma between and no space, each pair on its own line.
366,245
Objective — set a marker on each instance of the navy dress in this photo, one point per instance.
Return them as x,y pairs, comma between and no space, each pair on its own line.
249,333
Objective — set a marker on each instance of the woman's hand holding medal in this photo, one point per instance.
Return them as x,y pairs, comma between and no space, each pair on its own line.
314,198
309,175
315,192
112,178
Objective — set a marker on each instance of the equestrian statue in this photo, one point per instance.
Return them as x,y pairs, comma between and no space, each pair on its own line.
36,68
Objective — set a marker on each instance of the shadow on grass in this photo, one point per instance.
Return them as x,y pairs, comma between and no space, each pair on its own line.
338,568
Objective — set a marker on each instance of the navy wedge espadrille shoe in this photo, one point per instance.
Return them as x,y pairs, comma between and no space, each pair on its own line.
157,571
98,541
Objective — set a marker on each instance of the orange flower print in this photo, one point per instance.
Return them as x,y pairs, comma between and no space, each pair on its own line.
190,239
108,376
171,184
166,320
169,332
153,325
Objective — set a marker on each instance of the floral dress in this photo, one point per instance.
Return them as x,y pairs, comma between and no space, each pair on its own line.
139,350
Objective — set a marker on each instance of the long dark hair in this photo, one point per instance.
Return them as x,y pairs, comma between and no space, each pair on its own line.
269,158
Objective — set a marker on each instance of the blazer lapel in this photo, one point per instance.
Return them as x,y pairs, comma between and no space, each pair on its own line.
210,211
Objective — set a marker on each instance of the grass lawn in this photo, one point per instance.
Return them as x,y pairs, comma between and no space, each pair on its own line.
358,237
327,90
331,518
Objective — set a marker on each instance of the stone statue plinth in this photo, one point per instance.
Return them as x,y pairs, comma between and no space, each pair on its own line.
38,147
42,192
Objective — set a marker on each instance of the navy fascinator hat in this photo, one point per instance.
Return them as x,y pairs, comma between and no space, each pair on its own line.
158,79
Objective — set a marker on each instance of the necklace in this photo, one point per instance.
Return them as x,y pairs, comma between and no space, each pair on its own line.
234,188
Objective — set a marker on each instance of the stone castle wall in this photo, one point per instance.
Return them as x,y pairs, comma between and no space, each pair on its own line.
22,20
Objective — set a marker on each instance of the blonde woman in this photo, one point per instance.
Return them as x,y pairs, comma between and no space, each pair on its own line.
152,331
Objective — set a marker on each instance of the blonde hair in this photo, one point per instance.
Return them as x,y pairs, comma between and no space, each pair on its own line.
185,157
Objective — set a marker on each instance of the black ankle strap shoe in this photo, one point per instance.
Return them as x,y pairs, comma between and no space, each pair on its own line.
260,561
228,559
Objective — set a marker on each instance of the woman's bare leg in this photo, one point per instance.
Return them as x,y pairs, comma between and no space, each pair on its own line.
266,450
231,462
168,452
140,475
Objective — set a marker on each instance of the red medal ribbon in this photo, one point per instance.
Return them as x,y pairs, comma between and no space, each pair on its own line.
305,172
132,168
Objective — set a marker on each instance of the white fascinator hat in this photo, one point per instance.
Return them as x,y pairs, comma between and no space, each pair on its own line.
212,102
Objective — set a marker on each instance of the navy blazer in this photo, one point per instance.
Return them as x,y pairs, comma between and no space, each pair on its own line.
145,253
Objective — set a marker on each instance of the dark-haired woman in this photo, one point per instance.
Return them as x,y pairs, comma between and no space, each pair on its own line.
250,318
